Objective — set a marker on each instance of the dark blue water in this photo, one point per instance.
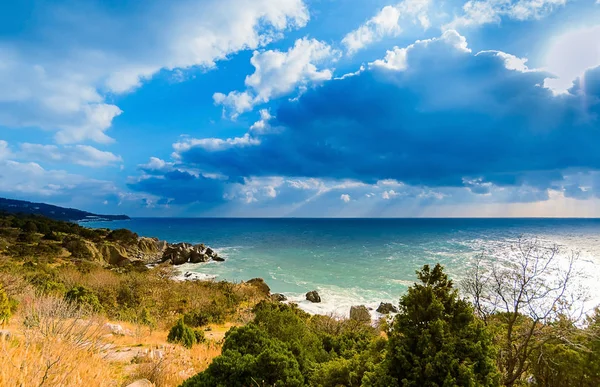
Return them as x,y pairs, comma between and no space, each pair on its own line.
365,261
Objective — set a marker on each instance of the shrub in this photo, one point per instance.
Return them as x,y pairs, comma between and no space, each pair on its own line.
51,236
251,356
184,335
77,247
5,307
123,235
26,237
84,297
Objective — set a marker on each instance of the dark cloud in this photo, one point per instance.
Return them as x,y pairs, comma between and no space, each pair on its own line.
450,115
180,187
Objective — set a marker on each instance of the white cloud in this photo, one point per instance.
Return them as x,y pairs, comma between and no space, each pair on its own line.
78,154
386,23
570,55
156,164
32,180
5,152
278,73
387,195
396,59
216,144
345,198
511,62
476,13
262,126
59,81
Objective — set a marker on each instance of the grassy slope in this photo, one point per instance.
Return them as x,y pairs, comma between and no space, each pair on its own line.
40,267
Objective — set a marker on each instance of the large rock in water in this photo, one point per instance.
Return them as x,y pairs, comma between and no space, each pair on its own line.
360,313
197,254
313,296
261,285
386,308
178,253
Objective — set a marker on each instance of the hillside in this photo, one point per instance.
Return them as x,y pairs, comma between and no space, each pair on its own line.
55,212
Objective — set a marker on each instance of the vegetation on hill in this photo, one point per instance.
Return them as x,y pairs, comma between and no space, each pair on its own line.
54,212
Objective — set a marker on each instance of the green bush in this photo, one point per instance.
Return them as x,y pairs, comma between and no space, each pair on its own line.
5,307
184,335
84,297
251,357
77,247
123,235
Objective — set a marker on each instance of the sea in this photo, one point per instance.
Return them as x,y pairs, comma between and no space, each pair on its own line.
364,261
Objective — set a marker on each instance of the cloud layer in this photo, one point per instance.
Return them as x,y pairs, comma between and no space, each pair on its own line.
76,57
434,114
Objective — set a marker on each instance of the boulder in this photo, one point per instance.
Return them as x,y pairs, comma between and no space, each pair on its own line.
114,254
218,259
178,254
386,308
260,284
278,297
210,252
141,383
5,335
360,313
198,256
313,296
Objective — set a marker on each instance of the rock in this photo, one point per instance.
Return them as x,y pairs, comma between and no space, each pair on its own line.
386,308
115,329
114,254
261,285
5,335
313,296
360,313
187,274
141,383
198,257
278,297
210,252
178,254
218,259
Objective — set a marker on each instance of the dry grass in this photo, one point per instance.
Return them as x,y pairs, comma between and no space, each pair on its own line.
53,345
172,365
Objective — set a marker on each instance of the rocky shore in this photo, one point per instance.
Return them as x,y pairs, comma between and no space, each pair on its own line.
144,250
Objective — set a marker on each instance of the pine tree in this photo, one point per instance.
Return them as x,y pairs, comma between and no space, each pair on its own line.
436,340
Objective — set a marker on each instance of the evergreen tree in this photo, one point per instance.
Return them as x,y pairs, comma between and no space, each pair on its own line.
436,340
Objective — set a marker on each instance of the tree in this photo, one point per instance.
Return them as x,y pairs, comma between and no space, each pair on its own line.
520,297
436,340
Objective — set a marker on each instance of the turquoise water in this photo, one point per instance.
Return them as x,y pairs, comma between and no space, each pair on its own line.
361,261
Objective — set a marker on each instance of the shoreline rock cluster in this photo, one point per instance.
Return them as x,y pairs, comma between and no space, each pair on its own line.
154,251
180,253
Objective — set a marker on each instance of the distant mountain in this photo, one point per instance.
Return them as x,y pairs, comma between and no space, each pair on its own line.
53,212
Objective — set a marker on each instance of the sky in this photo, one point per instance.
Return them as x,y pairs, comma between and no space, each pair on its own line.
303,108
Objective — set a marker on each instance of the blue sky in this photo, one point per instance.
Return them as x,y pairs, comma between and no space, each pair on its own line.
342,108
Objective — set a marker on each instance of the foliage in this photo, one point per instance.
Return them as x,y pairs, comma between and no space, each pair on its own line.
522,298
5,307
123,235
84,297
184,335
77,247
436,340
